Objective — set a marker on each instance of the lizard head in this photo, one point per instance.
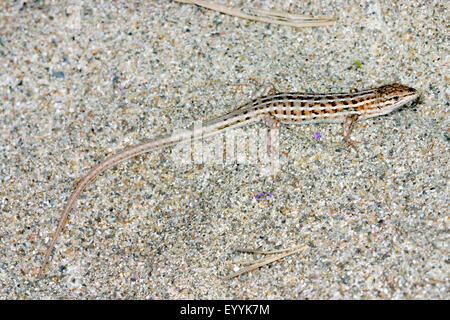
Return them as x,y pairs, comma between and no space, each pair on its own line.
392,97
398,94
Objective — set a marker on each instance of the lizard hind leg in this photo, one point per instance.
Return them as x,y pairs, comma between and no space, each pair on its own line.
261,91
272,144
264,90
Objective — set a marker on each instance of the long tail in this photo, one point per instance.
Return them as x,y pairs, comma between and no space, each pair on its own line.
157,143
233,119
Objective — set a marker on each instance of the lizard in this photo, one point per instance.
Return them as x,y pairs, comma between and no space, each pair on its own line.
272,109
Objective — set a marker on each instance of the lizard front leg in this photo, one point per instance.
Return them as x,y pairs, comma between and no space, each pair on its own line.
348,127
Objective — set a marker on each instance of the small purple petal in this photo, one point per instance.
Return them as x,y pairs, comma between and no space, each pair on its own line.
317,135
267,195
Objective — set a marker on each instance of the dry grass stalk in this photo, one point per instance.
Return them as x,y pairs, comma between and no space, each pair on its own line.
262,262
268,16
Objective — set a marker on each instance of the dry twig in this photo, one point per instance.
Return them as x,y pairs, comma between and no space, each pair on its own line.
268,16
262,262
